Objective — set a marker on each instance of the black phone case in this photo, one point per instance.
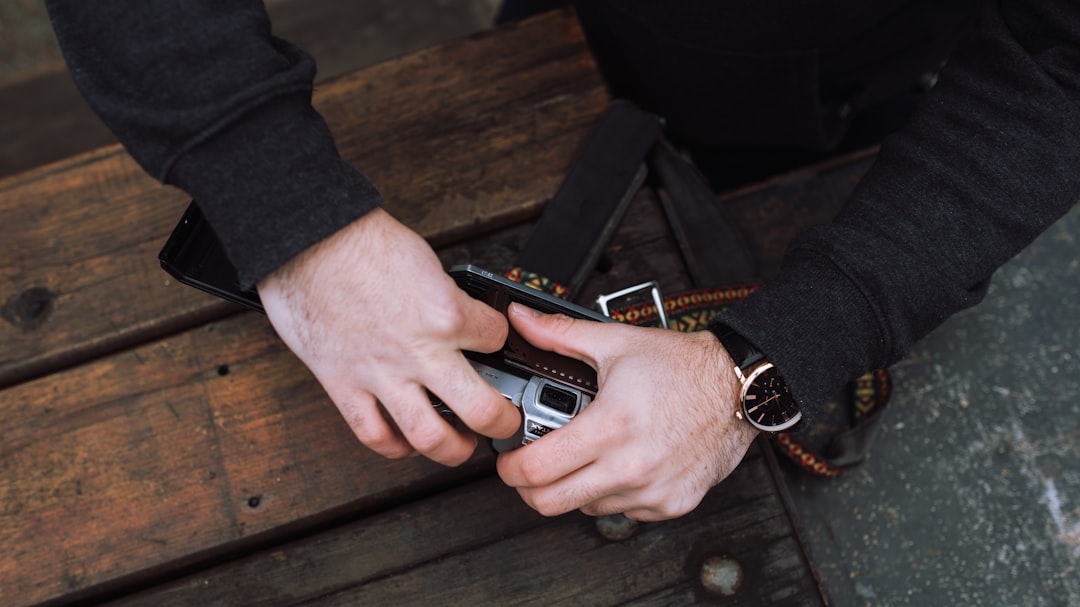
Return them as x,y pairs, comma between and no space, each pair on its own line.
193,254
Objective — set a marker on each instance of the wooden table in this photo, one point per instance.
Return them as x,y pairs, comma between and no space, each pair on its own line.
162,447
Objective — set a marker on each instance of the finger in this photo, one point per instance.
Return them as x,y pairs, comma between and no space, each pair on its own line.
585,340
484,328
557,455
424,428
565,495
478,405
369,423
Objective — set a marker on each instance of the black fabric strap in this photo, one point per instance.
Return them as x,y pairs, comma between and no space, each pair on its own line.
714,248
578,222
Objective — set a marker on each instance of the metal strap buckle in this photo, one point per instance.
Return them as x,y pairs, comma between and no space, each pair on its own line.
654,291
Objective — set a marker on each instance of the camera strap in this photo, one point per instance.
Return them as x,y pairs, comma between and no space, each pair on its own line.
578,223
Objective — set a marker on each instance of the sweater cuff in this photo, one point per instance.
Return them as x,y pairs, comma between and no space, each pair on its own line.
814,324
272,184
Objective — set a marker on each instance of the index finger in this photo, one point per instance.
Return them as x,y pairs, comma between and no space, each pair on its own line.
475,402
483,328
557,455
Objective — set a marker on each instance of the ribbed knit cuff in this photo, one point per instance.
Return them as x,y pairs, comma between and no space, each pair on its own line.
273,184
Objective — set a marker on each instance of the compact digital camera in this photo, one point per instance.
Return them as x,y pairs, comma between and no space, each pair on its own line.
548,388
545,404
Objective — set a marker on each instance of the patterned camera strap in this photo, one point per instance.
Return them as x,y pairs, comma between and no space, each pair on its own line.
589,205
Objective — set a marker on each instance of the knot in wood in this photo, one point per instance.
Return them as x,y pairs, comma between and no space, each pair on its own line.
30,309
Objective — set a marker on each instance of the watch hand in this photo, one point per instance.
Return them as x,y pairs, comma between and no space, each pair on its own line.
755,408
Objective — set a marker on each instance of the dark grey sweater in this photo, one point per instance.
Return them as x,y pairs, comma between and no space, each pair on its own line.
205,99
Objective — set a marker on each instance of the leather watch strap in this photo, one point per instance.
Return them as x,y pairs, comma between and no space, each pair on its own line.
744,353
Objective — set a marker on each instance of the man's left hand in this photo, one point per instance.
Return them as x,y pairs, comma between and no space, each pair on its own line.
660,433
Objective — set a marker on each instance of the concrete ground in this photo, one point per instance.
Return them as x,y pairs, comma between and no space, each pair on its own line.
972,494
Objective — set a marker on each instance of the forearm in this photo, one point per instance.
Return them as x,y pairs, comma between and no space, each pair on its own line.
204,98
987,163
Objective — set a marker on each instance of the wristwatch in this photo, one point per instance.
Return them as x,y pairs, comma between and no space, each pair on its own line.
765,400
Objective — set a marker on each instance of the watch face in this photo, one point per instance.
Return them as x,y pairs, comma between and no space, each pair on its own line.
767,402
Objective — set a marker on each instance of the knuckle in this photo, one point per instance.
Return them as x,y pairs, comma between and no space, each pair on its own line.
616,429
676,506
363,427
370,436
636,472
428,437
483,415
560,323
534,471
382,440
546,505
447,319
486,415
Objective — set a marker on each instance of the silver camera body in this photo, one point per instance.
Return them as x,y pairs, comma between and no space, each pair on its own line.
545,404
549,389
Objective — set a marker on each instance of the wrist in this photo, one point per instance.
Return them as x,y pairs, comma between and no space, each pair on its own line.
271,184
764,400
325,254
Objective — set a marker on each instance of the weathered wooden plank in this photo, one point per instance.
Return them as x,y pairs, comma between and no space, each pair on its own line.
180,449
566,562
479,544
216,441
461,138
197,446
475,133
357,552
45,119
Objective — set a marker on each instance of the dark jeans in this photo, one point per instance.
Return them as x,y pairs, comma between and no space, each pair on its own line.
791,112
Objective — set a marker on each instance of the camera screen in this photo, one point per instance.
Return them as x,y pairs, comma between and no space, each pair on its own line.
563,401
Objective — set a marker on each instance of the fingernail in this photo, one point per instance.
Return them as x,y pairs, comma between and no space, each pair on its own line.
522,310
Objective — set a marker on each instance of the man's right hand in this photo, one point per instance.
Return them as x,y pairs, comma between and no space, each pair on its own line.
373,315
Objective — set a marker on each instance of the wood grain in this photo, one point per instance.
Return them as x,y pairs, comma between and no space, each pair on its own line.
160,447
187,448
478,544
212,442
45,119
215,442
461,138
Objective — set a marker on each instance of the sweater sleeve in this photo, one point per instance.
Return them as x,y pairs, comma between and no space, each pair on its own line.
204,98
987,163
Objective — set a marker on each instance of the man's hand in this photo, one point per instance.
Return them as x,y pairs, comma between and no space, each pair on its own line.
661,432
373,315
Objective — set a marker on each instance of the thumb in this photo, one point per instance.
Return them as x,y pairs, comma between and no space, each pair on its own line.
577,338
